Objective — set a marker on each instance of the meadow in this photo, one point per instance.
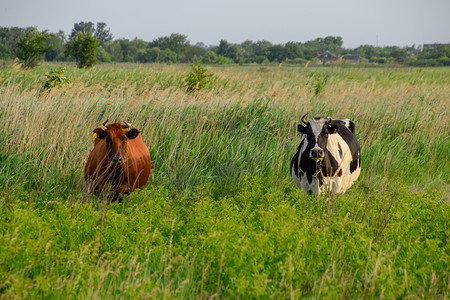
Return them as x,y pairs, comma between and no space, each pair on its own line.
220,216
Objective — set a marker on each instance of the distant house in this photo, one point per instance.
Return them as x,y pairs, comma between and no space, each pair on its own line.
327,56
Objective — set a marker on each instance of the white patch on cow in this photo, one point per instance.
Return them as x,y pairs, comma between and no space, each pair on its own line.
335,183
316,128
346,123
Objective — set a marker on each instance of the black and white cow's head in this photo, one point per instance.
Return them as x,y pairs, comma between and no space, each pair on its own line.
317,131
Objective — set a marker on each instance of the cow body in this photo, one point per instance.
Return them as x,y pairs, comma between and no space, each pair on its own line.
328,156
120,158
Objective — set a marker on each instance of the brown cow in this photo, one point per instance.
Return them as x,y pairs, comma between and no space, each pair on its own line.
120,158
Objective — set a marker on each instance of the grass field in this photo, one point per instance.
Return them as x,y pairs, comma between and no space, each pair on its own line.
220,216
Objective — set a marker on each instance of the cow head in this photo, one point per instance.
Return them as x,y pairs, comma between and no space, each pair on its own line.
116,136
317,131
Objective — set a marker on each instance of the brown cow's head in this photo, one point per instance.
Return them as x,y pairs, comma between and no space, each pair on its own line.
116,135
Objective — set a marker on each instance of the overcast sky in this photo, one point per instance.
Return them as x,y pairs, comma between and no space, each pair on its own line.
386,22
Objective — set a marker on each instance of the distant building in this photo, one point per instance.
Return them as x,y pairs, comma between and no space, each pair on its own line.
327,56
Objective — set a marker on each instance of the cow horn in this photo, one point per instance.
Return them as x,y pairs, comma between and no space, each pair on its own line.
328,121
303,119
127,125
105,123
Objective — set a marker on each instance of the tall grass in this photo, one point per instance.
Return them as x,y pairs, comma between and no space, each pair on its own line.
220,215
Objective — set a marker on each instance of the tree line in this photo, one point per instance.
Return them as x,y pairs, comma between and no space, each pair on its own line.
89,43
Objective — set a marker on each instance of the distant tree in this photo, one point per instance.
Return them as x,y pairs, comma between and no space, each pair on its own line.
83,47
102,55
201,45
367,51
11,37
196,53
5,52
31,47
435,51
176,42
56,44
5,49
262,48
168,56
133,47
396,53
114,49
332,44
277,53
228,50
126,49
294,50
102,33
87,27
247,51
210,57
153,54
223,48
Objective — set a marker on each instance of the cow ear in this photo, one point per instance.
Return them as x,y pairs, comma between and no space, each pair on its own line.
132,134
332,129
301,128
99,133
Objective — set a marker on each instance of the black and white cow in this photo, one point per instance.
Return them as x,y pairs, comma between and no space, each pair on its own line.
328,156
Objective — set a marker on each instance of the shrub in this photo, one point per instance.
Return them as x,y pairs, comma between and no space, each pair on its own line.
430,62
31,47
318,83
54,78
198,78
379,60
84,48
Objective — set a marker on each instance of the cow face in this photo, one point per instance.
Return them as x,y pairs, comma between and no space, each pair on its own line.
317,131
116,136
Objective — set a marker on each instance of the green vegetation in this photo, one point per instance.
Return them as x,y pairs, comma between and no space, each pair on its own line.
221,216
31,47
83,47
177,48
198,78
54,78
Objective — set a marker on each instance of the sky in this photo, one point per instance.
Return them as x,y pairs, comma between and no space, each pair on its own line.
358,22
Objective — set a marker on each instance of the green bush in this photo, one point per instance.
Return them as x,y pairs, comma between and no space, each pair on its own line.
318,83
198,78
430,62
379,60
31,47
84,48
54,78
295,61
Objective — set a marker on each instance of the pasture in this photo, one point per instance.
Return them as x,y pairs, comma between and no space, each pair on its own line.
220,216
